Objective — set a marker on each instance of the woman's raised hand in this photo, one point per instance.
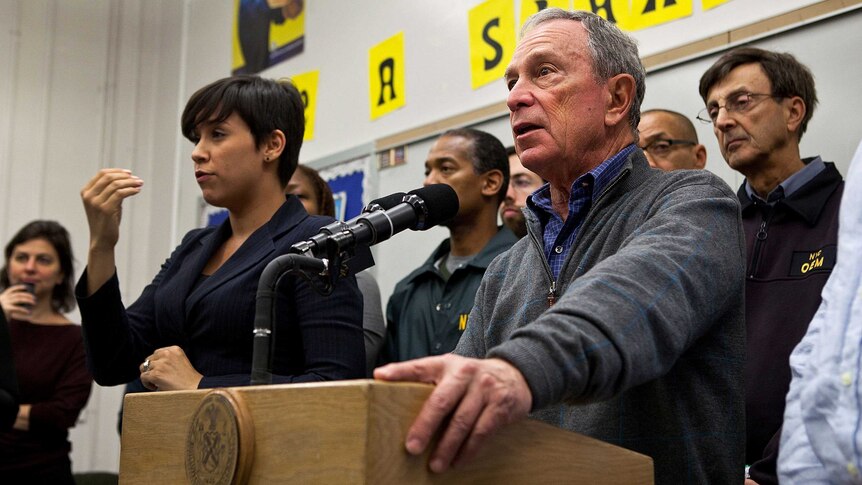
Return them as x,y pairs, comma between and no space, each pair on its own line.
103,201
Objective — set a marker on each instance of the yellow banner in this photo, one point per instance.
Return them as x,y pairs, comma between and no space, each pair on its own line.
531,7
306,83
386,76
637,14
492,40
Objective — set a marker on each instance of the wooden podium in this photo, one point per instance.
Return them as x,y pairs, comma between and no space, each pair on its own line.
348,432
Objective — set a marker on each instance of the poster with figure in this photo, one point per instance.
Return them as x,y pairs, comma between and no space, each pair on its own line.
266,32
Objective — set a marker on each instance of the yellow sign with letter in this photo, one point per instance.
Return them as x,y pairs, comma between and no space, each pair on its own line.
306,84
492,40
386,76
637,14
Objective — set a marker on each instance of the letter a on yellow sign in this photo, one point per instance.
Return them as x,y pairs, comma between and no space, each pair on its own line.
492,40
306,84
386,76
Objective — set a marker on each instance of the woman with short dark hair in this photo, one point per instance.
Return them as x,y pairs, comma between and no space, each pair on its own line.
192,326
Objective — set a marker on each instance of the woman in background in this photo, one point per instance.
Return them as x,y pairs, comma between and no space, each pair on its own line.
192,325
316,197
48,352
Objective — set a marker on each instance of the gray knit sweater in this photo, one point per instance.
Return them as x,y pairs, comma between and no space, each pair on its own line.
644,347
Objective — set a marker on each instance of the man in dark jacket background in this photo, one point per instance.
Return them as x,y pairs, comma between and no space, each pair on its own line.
759,104
429,309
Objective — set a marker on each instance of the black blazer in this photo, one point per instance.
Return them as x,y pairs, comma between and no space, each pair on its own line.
316,338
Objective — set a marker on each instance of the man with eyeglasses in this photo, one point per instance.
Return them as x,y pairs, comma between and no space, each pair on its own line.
669,141
759,103
522,183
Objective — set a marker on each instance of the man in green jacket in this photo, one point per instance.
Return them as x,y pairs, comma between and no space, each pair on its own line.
429,309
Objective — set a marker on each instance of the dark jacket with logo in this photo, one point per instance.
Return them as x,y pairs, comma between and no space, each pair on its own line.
426,314
791,251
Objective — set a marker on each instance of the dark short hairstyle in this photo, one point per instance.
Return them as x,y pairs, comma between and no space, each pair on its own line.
687,126
320,189
264,105
787,76
488,153
510,150
613,51
63,297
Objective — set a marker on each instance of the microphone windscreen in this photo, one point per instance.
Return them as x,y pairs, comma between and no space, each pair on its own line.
386,202
441,202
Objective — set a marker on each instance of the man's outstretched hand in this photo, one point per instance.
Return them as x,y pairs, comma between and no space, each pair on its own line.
478,395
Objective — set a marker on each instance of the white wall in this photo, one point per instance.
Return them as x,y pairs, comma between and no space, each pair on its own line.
86,84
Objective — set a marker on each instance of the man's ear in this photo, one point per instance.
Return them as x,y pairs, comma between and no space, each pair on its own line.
699,156
621,95
273,145
493,182
795,111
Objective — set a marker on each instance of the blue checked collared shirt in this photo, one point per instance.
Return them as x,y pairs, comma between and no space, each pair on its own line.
558,235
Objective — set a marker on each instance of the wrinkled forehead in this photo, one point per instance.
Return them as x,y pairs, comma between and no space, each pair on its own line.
563,38
743,78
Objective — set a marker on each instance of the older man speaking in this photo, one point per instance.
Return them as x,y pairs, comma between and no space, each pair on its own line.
621,317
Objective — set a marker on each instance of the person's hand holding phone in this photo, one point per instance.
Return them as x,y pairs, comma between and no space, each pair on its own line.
18,301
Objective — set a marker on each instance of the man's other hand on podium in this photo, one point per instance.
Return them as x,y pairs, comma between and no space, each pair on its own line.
472,399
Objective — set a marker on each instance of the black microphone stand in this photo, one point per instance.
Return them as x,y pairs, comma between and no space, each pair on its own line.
321,273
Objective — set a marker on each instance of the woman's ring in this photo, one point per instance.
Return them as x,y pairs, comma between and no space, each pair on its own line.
145,367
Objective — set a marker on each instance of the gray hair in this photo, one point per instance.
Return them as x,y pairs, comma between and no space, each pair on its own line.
613,51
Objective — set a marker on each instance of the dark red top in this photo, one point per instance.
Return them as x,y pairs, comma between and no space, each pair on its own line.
53,378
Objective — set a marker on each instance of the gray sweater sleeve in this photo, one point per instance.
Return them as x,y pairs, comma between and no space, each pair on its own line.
373,325
628,319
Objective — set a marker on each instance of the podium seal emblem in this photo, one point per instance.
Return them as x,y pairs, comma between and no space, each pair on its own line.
219,441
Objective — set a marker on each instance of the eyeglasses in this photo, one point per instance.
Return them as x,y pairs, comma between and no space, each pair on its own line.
735,103
661,147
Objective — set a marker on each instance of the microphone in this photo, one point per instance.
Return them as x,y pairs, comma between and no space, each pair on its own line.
421,209
418,210
383,203
316,244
